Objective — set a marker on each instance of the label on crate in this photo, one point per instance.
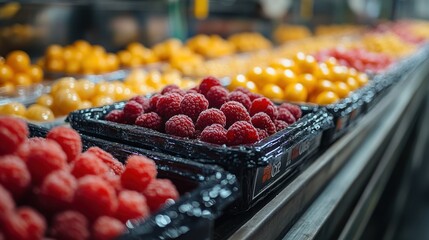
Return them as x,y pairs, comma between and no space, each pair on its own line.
279,166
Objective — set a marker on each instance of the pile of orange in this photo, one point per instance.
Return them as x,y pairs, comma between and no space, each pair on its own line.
302,79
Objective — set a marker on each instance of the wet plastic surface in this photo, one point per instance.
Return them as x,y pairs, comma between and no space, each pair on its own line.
206,190
259,167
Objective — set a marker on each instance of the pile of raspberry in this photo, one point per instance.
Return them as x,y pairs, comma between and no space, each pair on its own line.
209,113
50,189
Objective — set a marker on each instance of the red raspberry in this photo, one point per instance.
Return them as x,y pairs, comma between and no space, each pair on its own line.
113,180
88,164
94,197
294,109
14,175
209,117
116,116
24,150
13,132
178,91
234,111
70,225
169,105
107,228
111,162
242,132
180,125
241,98
24,224
254,96
263,121
7,204
217,96
131,205
68,139
192,91
197,134
158,192
168,88
215,133
139,171
207,83
262,134
44,158
132,110
286,116
193,104
57,190
280,125
153,101
243,90
144,101
263,104
150,120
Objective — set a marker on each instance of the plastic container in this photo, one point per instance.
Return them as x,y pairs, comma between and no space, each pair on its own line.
259,167
205,190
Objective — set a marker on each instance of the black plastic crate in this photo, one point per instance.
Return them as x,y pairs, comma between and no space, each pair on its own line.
259,167
206,190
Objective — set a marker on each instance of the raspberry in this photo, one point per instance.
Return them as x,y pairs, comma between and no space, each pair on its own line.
150,120
94,197
286,116
241,132
263,104
57,190
209,117
131,205
153,101
14,175
144,101
263,121
294,109
217,96
70,225
24,150
180,125
88,164
207,83
7,205
132,110
168,89
139,171
178,91
254,96
241,98
13,132
24,224
113,180
169,105
262,134
44,158
68,139
111,162
197,134
215,133
193,104
192,91
280,125
116,116
234,111
243,90
107,228
158,192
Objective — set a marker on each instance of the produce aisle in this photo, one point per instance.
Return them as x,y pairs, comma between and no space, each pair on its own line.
184,122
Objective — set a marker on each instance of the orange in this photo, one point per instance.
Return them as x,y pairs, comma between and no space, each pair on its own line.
343,89
325,85
21,79
39,113
237,81
327,97
125,57
54,65
268,75
254,74
45,100
283,63
54,52
82,45
339,73
322,72
35,73
272,91
286,77
308,81
6,74
13,108
252,87
352,83
295,92
18,61
331,62
362,79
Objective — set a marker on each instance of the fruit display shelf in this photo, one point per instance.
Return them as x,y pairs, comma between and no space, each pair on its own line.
259,167
206,190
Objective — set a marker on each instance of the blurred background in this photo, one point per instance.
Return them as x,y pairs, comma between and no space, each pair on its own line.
34,24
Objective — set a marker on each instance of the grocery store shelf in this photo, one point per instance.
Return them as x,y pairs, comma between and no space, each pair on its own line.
369,147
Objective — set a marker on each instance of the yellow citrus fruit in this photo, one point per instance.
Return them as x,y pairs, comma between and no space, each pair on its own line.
327,97
272,91
295,92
